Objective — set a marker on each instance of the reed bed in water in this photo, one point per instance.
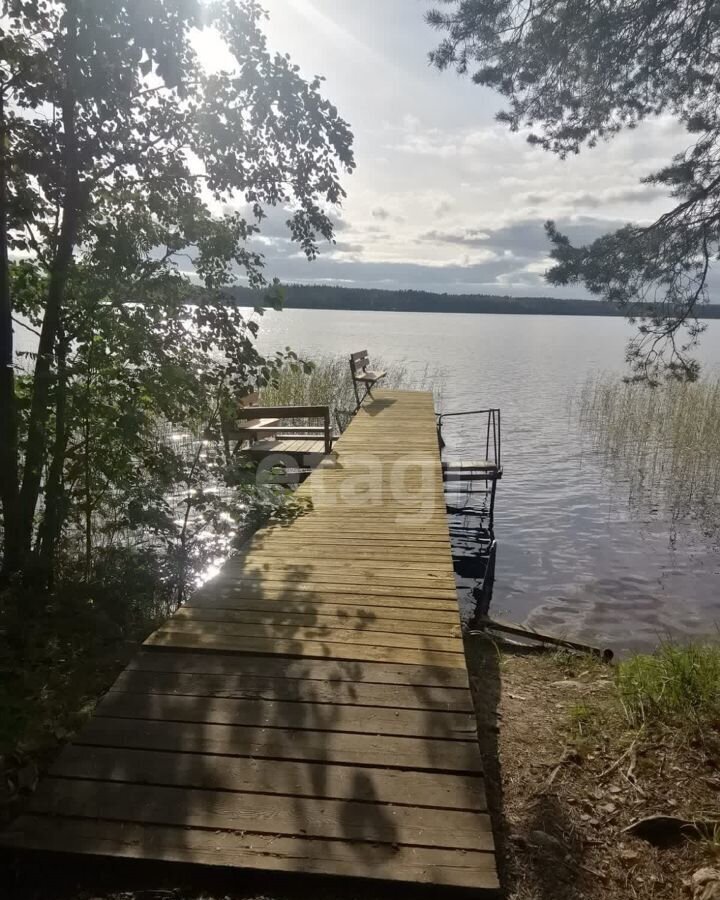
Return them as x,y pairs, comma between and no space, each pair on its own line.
665,440
329,384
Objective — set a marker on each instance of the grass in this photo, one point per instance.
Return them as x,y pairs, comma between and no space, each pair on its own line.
665,440
675,684
330,384
581,716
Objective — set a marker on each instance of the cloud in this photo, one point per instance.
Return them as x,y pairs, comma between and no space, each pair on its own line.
348,247
594,200
525,239
380,213
468,238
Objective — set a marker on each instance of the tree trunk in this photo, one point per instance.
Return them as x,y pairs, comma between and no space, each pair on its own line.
54,513
9,486
36,450
87,442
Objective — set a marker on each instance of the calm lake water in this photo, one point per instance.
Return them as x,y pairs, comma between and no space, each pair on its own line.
575,556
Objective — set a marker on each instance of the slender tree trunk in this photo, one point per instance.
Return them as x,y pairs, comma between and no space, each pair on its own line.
9,486
88,499
54,513
87,475
40,403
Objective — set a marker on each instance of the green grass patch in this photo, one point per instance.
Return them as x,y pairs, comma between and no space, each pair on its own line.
673,684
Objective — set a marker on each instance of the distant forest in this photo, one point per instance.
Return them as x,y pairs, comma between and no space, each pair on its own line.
314,296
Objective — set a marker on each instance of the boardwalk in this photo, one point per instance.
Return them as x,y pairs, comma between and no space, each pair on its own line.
308,711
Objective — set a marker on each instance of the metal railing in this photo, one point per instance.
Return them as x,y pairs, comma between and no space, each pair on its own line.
493,433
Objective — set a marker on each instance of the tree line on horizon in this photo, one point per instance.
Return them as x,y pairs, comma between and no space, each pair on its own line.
323,296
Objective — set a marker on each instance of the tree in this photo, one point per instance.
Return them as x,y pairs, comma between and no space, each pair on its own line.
129,177
580,72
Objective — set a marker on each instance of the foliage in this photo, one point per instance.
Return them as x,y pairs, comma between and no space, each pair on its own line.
673,684
134,184
576,73
60,650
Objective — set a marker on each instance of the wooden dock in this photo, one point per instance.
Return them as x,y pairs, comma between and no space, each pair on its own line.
308,711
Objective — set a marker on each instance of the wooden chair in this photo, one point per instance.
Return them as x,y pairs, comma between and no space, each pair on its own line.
362,374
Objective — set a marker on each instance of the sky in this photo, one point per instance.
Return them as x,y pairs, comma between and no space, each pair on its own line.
444,198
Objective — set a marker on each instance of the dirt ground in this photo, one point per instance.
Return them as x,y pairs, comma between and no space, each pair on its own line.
567,775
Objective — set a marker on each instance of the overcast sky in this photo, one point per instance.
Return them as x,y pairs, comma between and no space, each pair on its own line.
443,197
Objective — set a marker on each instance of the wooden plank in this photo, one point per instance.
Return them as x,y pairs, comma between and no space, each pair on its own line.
283,412
354,522
262,814
284,570
293,779
354,594
289,715
416,525
368,538
267,853
325,622
404,614
329,671
301,690
342,548
166,637
348,561
308,555
389,752
326,634
332,585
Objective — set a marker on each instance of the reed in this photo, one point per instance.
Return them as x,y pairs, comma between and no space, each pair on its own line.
664,440
329,383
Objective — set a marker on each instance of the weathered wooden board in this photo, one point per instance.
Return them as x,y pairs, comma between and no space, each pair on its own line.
277,666
389,751
377,720
422,865
298,690
422,790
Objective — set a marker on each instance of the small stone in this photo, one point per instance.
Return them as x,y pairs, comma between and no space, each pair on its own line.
545,840
706,884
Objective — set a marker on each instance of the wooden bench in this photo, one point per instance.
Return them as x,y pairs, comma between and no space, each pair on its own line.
296,448
253,425
362,374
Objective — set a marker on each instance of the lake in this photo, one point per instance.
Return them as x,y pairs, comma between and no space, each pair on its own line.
575,556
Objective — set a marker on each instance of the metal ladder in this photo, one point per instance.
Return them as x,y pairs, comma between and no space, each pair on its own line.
470,488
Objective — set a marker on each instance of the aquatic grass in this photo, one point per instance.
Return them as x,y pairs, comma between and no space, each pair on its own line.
329,383
665,440
675,683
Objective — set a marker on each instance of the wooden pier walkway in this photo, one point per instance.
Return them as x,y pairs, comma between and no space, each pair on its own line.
308,711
